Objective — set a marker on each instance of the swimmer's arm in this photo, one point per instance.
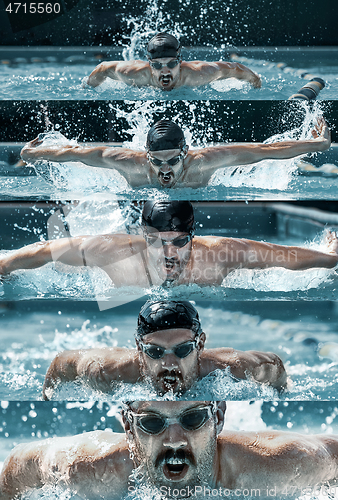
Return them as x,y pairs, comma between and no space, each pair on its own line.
94,464
65,250
202,72
287,461
129,163
21,471
206,161
97,368
130,72
262,367
242,253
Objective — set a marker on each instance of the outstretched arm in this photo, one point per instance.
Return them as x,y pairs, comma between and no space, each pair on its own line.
97,368
131,164
207,160
242,253
203,72
262,367
66,250
130,72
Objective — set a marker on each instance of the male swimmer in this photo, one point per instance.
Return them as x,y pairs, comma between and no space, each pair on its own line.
168,252
174,445
167,162
166,70
170,355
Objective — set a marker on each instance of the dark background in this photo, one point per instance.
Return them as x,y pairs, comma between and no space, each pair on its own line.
213,121
200,22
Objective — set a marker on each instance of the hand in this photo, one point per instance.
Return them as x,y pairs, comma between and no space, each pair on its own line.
321,132
27,151
331,241
256,81
84,83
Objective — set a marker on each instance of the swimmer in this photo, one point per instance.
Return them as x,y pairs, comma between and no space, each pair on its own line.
166,70
168,253
167,163
170,355
176,445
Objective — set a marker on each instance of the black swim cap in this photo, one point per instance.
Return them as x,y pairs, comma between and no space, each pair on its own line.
164,135
163,45
167,314
169,216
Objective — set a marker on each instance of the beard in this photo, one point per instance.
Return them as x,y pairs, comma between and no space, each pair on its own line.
175,468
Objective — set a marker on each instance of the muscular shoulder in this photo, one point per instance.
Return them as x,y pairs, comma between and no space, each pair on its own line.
277,444
111,247
199,72
136,73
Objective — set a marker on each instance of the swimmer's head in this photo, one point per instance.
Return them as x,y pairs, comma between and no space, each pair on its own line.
164,216
161,315
166,151
163,45
164,135
169,340
168,228
164,56
175,442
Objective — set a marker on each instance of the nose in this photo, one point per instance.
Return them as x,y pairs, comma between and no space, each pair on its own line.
169,361
170,250
175,437
165,168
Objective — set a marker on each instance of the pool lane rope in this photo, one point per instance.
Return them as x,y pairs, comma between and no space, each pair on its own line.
308,92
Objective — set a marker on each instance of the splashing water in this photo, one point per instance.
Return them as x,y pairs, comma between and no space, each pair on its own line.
199,127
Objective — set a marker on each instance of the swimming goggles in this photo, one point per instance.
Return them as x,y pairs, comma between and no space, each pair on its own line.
171,162
189,420
171,64
157,242
180,350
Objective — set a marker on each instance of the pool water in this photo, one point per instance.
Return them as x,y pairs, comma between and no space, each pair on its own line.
303,335
64,81
269,179
36,421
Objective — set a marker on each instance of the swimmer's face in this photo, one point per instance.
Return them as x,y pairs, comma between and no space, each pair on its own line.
165,71
173,371
168,253
184,452
167,165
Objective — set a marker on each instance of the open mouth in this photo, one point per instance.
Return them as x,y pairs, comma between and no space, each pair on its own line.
166,177
175,468
170,381
166,80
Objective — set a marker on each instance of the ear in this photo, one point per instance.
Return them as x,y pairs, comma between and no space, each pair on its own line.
220,415
201,342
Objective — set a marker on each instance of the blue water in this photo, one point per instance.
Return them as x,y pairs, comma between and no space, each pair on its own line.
33,334
268,180
22,422
64,81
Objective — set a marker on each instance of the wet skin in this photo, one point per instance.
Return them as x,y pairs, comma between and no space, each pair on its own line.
167,259
166,174
176,457
165,78
171,373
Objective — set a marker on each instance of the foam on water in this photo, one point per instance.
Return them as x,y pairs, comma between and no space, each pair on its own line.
240,417
25,358
267,174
